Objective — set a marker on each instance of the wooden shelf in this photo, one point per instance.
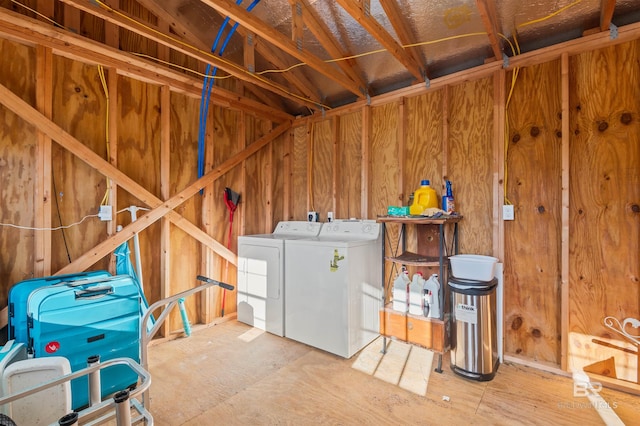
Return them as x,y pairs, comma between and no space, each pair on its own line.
419,220
415,259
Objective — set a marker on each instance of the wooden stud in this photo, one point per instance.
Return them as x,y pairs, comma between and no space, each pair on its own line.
564,249
366,159
287,169
499,114
401,140
42,193
165,194
112,154
335,136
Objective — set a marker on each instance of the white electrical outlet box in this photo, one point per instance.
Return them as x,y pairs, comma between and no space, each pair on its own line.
507,212
329,216
105,213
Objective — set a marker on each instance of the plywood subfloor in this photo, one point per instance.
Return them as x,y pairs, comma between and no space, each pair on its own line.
235,375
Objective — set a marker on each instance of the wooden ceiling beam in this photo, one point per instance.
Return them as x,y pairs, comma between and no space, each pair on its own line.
142,29
369,23
322,33
607,7
183,30
295,76
489,15
27,30
403,30
273,36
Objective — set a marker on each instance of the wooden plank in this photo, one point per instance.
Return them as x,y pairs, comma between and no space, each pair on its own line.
78,188
470,162
335,165
321,169
273,36
139,35
42,192
299,176
534,162
350,161
401,139
565,232
369,23
383,159
366,161
604,187
73,145
166,269
499,111
90,257
17,26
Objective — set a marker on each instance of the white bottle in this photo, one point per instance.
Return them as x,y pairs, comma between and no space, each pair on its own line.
416,295
401,291
432,296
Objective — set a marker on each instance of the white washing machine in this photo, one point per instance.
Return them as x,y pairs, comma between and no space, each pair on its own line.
261,277
333,289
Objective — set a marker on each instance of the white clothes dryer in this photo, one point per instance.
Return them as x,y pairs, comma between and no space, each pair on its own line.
261,279
333,291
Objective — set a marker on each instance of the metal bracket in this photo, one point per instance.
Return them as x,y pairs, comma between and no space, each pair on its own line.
251,68
505,60
250,39
299,44
427,82
613,31
368,99
298,8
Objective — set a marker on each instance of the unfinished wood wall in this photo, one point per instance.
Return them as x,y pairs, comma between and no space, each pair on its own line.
448,133
356,162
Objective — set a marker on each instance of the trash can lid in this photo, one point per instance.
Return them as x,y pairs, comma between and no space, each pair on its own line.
473,283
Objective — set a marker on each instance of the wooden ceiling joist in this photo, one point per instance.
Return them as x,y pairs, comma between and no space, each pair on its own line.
368,22
402,29
322,33
607,8
27,30
142,29
273,36
187,34
489,15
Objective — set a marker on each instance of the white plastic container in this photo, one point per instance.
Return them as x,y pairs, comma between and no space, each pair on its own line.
473,267
401,292
416,295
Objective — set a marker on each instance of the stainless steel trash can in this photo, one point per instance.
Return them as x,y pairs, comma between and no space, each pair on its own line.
474,338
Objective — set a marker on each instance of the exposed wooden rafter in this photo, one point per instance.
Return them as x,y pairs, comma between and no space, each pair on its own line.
606,13
273,36
489,15
294,77
279,61
322,33
368,22
402,29
27,30
142,29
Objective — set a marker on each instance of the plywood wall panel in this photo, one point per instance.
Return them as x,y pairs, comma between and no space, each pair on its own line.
278,180
79,107
533,168
470,162
383,187
256,178
350,162
299,180
423,144
184,171
18,140
322,168
139,158
604,191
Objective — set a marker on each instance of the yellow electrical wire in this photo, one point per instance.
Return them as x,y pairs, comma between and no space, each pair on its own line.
103,80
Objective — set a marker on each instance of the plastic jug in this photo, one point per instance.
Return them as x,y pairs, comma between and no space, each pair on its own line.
401,291
423,198
416,297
